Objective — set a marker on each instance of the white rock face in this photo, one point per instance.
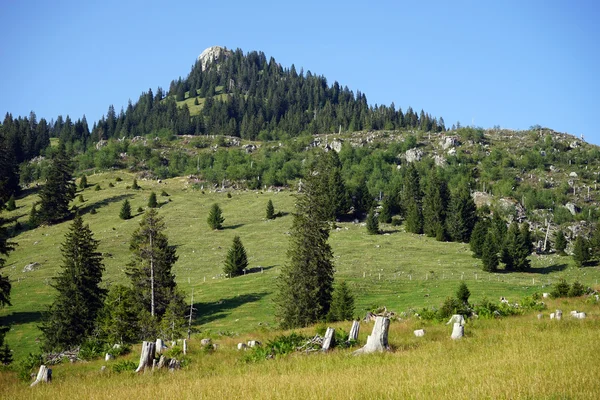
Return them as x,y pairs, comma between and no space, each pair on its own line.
212,54
413,155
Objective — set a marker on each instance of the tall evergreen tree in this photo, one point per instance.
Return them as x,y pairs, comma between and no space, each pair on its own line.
342,304
236,260
9,177
59,189
372,223
305,284
462,215
523,249
72,316
336,188
489,253
479,237
125,212
435,204
152,203
509,247
412,200
83,182
581,254
362,200
270,210
151,263
560,242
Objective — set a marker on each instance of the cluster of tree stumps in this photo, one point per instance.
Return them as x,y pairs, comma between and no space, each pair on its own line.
148,356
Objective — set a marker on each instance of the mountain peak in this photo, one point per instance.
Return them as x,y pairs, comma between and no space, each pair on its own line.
212,54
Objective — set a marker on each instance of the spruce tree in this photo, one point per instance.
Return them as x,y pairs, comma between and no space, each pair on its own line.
362,199
581,253
71,317
215,217
523,249
10,204
385,215
135,185
270,210
125,212
236,260
59,189
372,223
342,304
479,236
151,262
83,182
305,284
5,286
435,204
463,293
337,193
462,215
489,253
411,200
560,242
152,203
509,247
118,318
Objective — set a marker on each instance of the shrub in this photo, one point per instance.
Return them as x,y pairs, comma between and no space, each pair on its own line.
140,209
91,349
97,187
270,210
342,304
83,182
110,184
93,211
450,307
80,198
561,289
25,366
577,289
228,195
125,212
10,204
122,366
118,179
215,217
135,185
463,293
152,203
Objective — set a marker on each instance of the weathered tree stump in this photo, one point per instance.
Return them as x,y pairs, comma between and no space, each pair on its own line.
241,346
148,350
354,331
552,315
174,364
419,332
558,315
458,331
160,346
579,315
205,342
540,316
377,341
185,347
161,362
457,318
329,339
108,357
253,343
44,375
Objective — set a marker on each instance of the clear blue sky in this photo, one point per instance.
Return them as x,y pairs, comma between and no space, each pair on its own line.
507,63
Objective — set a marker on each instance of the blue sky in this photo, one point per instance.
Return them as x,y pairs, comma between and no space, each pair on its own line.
507,63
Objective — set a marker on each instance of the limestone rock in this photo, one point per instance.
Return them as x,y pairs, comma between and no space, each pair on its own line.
212,54
573,209
419,332
31,267
413,155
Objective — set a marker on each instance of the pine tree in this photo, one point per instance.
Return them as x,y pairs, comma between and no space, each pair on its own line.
462,215
337,193
72,316
173,324
372,223
523,249
83,182
59,189
236,260
135,185
118,318
509,247
125,212
342,304
560,242
463,293
479,237
435,204
152,203
489,253
305,284
151,263
5,247
385,215
215,217
10,204
412,200
270,210
362,199
581,253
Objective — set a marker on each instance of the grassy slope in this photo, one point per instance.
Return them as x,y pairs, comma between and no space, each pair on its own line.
394,270
517,358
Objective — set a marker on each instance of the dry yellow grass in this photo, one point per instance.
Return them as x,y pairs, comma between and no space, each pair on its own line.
512,358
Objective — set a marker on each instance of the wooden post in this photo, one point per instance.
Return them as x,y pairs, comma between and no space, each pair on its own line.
148,350
354,330
378,339
44,375
329,339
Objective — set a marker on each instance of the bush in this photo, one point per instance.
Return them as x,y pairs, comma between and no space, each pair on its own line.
80,198
463,293
561,289
577,289
164,194
122,366
121,350
10,204
135,185
140,209
277,347
93,211
450,307
97,187
152,203
215,217
91,349
110,184
26,366
118,179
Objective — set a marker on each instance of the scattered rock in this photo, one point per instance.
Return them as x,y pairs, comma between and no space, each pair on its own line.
206,342
573,174
413,155
419,332
573,209
31,267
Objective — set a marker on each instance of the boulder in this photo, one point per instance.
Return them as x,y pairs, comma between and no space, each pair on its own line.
413,155
419,332
31,267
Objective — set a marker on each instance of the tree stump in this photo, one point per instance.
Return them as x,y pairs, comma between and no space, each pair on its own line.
354,331
148,350
161,361
108,357
205,342
241,346
253,343
558,315
458,331
185,347
329,339
419,332
377,341
540,316
44,375
552,315
160,346
457,318
174,364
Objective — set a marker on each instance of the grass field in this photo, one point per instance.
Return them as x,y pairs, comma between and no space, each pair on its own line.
396,269
511,358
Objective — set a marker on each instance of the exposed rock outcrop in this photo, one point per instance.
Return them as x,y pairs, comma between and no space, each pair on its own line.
211,55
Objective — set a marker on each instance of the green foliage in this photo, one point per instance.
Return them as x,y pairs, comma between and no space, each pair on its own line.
236,261
435,205
135,185
462,215
152,203
342,304
173,324
123,366
164,193
93,211
83,182
517,247
478,237
80,198
58,191
72,316
561,289
372,223
577,289
450,307
6,357
215,217
125,212
581,254
118,318
305,283
270,210
26,366
489,253
140,209
91,349
10,204
118,179
463,293
152,259
97,187
560,242
278,347
412,199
